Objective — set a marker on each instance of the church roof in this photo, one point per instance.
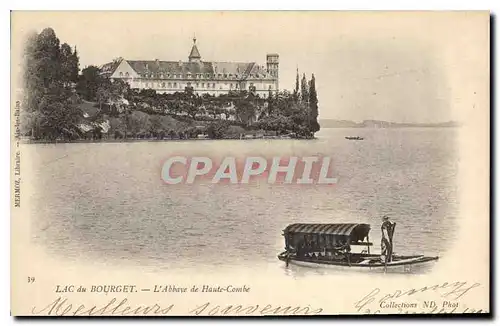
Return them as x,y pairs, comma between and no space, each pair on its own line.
147,67
206,70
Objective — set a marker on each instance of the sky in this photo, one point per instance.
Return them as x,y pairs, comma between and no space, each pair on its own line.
401,66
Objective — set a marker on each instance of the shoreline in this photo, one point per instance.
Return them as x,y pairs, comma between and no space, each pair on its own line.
85,141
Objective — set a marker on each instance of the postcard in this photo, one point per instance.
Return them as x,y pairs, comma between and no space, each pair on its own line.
250,163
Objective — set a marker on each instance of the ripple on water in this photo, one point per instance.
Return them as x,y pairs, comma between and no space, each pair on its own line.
107,202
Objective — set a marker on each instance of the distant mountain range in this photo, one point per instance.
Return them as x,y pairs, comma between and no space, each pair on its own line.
331,123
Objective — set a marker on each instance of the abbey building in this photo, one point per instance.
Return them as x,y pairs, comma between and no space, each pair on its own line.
204,77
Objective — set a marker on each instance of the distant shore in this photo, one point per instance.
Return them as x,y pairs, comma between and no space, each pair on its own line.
332,123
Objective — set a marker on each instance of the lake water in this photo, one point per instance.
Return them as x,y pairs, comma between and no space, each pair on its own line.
106,201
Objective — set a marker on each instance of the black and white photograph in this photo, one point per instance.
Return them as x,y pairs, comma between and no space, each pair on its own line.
232,163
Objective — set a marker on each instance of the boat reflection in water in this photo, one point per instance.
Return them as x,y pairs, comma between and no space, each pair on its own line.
330,245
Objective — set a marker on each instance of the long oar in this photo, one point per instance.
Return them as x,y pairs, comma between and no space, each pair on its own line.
386,257
391,234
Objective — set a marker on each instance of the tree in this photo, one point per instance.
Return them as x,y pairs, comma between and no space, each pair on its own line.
89,82
104,93
313,105
189,90
49,72
217,130
296,90
139,123
191,109
75,66
69,65
160,104
118,127
155,126
190,102
111,93
121,88
245,109
270,103
41,58
304,94
32,82
30,122
48,59
175,106
59,117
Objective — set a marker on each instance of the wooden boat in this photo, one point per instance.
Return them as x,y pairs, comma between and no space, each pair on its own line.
330,245
354,138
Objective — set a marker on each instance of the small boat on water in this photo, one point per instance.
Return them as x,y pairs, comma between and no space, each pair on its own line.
354,138
330,245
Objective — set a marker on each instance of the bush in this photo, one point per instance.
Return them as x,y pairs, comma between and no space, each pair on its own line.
234,131
217,130
118,134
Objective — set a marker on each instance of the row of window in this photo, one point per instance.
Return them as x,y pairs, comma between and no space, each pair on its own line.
180,76
197,85
175,85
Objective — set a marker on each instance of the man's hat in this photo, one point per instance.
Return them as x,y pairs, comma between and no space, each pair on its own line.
385,218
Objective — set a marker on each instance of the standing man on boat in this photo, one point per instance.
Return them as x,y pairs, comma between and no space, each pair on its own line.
386,243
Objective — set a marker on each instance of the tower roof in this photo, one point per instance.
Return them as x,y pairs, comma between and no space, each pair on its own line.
195,54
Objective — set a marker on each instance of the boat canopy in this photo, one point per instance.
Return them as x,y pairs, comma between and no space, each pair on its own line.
348,232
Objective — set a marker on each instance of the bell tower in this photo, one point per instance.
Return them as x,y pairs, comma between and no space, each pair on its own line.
194,56
273,67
